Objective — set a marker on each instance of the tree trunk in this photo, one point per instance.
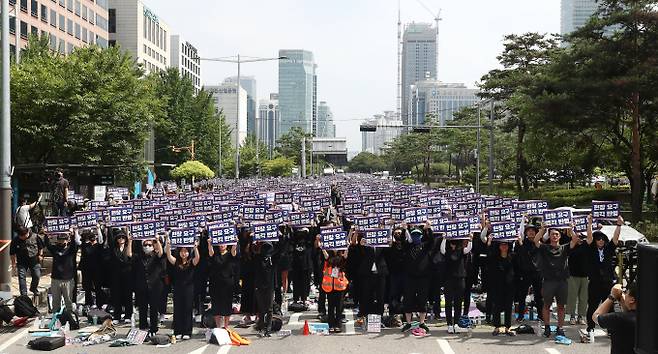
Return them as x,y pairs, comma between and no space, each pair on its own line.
636,162
521,177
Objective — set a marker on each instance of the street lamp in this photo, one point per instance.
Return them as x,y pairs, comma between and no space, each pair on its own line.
239,61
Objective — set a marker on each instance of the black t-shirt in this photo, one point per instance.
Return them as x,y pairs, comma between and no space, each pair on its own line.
621,326
554,262
61,185
578,261
149,271
601,269
63,260
27,250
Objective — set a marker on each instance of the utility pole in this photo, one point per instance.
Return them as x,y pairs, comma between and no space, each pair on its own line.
477,156
303,157
237,128
5,159
491,144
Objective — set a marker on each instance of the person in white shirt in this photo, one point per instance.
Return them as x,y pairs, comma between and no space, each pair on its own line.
22,216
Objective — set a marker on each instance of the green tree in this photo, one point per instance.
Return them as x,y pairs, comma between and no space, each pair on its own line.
90,107
278,167
190,170
366,162
290,145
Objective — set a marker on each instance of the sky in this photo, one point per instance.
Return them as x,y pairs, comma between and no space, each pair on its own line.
354,42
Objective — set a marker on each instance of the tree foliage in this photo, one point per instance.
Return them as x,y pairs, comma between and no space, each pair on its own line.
366,162
278,167
192,169
290,144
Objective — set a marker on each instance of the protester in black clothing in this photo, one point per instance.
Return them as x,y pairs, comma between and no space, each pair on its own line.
302,263
501,286
246,265
395,257
283,263
454,252
64,253
470,280
417,269
91,251
263,285
600,255
372,274
553,260
122,277
621,325
26,252
527,274
201,277
183,281
578,283
149,269
222,279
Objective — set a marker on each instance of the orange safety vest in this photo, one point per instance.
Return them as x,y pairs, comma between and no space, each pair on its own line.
330,283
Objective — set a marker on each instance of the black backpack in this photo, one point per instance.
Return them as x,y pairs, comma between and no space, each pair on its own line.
47,343
277,323
6,314
100,315
208,319
297,307
71,318
23,307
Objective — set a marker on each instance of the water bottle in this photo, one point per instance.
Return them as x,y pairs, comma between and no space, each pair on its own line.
284,307
132,321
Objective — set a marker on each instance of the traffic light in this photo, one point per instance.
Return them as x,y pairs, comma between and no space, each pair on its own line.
421,129
368,128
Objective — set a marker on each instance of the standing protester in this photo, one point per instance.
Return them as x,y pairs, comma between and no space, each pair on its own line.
302,264
601,270
201,277
222,279
91,251
149,268
372,274
621,325
527,273
417,275
455,255
264,285
334,284
578,283
26,252
22,216
247,269
122,278
61,194
64,270
395,257
283,261
501,286
183,281
553,259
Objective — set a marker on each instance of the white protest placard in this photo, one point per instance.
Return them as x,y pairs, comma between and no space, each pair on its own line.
329,229
557,218
143,230
265,232
183,237
580,223
504,230
531,207
85,219
415,215
220,234
374,323
499,214
120,215
454,229
334,241
605,210
378,237
366,222
57,224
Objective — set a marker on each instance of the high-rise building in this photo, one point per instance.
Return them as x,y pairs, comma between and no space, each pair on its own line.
226,101
185,57
249,84
297,90
388,126
325,122
575,14
68,24
269,116
419,60
141,32
439,100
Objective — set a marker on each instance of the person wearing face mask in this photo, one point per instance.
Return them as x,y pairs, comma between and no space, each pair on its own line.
372,274
222,278
501,290
302,264
263,286
527,273
183,281
149,269
395,257
417,274
454,252
64,269
90,265
122,279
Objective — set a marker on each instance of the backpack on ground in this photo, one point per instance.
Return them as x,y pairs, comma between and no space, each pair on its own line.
208,319
297,307
71,318
160,339
6,314
23,307
47,343
277,323
100,315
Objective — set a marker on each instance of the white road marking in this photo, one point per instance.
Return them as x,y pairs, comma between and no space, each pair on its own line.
349,325
13,339
552,351
445,346
200,350
224,349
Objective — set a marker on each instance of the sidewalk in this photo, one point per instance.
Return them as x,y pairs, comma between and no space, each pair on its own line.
44,283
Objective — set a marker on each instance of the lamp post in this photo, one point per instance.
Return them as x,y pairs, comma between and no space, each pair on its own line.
239,62
5,159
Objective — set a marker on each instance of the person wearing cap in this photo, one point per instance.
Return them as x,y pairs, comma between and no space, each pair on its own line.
553,258
417,274
601,269
501,276
90,265
527,273
64,269
302,263
455,256
121,279
620,325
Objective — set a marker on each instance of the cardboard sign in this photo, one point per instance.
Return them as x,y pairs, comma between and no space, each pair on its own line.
301,218
334,241
57,224
265,232
329,229
378,237
580,223
499,214
605,210
415,215
120,215
531,207
183,237
97,204
366,222
85,219
454,229
374,323
473,221
353,208
222,235
283,198
557,218
253,212
144,230
504,230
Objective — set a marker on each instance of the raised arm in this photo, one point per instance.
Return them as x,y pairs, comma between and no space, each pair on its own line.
468,247
170,258
157,246
197,255
574,237
99,234
443,246
540,235
129,244
590,237
615,236
211,249
234,249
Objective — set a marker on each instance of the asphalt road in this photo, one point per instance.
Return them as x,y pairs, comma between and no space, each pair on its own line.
352,340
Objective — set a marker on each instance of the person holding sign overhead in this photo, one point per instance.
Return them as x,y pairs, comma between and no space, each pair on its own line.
122,278
222,278
455,256
90,264
417,274
501,276
63,272
553,260
183,281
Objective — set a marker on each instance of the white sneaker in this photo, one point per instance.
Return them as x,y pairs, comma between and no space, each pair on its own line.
197,318
186,337
179,337
451,329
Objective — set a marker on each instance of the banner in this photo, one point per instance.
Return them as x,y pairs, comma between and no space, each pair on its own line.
301,218
499,214
454,229
183,237
557,218
283,198
378,237
531,207
85,219
57,224
120,215
265,232
473,221
504,230
145,230
220,234
605,210
334,241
